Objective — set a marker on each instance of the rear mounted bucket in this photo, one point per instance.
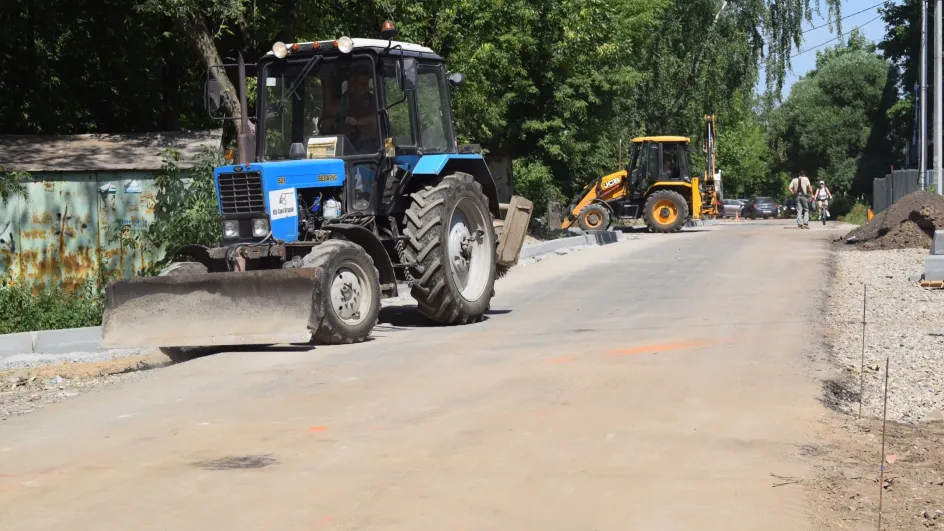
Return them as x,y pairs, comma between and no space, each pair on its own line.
214,309
514,231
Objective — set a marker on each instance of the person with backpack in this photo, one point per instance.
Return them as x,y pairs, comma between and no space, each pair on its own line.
823,195
802,190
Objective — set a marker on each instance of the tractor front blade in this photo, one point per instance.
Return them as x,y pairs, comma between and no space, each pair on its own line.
211,309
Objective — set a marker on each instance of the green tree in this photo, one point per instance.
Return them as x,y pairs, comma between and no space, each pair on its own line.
743,153
834,124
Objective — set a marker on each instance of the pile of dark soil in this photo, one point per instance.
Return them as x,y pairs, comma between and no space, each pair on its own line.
908,223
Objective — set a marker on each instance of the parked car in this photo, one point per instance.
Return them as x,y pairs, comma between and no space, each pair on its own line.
761,207
732,207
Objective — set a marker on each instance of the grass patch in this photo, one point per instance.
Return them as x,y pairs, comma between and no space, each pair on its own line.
858,215
23,311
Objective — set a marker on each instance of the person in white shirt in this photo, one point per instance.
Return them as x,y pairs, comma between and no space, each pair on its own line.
823,195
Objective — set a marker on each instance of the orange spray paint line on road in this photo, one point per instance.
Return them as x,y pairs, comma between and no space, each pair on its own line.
653,349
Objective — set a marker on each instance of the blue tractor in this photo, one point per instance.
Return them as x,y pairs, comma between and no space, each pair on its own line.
350,182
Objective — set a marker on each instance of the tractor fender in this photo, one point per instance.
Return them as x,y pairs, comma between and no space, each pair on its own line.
605,205
375,248
432,166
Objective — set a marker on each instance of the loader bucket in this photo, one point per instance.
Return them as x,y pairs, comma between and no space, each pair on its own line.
210,309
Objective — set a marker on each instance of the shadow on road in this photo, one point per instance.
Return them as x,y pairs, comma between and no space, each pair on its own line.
407,317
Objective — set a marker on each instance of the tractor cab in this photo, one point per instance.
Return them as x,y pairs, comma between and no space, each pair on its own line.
657,160
340,126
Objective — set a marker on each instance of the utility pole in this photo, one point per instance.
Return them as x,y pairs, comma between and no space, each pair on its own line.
938,97
923,101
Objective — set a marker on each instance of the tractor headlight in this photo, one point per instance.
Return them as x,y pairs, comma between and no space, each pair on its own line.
231,228
280,50
345,44
260,227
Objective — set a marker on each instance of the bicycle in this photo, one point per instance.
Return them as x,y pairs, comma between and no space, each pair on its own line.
822,209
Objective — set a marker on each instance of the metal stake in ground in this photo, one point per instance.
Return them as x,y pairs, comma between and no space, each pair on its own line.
865,292
881,479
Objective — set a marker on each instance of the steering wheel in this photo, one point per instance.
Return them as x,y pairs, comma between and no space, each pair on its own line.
357,131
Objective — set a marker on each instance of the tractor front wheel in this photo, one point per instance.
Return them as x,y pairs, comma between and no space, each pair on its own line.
594,217
666,211
452,243
346,298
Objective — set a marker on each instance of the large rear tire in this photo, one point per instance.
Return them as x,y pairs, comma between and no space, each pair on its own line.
594,217
666,211
346,298
452,241
182,354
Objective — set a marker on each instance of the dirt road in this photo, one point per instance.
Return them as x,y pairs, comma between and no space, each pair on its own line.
658,383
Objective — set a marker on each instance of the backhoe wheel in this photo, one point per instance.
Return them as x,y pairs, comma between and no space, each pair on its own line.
346,298
666,211
594,217
182,354
452,240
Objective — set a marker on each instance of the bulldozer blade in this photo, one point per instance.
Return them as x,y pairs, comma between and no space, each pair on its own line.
211,309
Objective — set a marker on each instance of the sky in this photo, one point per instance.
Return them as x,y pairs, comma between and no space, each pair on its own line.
802,64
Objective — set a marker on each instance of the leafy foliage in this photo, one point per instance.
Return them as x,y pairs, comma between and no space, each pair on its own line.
11,184
835,122
186,211
23,311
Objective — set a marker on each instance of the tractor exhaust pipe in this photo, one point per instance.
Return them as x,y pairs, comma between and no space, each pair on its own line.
245,143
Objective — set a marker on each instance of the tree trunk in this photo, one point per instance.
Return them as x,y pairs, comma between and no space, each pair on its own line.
201,40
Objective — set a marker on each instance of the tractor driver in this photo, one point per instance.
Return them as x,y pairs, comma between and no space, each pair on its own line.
359,108
669,169
353,113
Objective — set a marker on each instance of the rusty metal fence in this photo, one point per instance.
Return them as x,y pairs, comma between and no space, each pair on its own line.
63,232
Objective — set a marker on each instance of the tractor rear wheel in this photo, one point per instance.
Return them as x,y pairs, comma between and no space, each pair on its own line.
594,217
666,211
452,241
182,354
346,298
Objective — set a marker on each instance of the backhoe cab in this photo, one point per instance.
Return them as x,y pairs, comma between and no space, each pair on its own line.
659,186
351,183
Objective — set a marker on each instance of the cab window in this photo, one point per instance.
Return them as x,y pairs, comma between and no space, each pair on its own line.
401,126
671,166
430,100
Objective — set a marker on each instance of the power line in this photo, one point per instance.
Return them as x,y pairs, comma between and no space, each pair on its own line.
844,18
820,45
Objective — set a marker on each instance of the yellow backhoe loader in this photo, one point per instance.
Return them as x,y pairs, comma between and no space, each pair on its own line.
658,185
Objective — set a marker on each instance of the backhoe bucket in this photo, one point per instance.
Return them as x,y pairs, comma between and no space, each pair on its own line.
210,309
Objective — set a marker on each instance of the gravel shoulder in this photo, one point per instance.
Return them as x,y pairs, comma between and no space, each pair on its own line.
902,319
905,322
27,388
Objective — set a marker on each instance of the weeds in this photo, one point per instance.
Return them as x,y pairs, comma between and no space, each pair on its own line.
52,309
858,215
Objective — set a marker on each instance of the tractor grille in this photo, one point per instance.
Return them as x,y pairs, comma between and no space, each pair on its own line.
241,193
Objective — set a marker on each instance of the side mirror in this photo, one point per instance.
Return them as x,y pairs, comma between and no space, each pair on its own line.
456,79
408,75
212,95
